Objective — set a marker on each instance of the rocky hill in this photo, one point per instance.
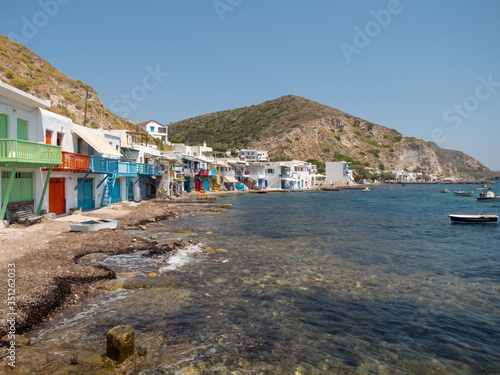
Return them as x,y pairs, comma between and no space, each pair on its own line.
289,127
23,69
292,127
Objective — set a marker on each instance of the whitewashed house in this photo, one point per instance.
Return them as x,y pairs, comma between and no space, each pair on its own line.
156,129
339,172
23,151
254,156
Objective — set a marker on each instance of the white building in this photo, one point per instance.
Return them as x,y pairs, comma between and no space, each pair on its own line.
88,158
254,156
198,151
339,172
156,129
22,150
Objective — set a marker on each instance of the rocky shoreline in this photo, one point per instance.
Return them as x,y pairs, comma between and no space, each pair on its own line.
51,277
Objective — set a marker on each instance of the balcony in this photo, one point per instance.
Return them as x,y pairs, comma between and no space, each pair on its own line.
127,169
149,170
98,164
203,172
14,152
186,171
72,162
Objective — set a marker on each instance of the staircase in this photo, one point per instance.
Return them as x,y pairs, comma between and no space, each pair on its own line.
108,190
251,183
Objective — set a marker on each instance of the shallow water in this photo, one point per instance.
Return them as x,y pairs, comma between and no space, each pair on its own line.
314,283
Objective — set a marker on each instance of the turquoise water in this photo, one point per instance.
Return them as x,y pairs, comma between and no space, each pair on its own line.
314,283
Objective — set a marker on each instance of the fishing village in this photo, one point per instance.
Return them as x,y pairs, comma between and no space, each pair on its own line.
57,175
249,188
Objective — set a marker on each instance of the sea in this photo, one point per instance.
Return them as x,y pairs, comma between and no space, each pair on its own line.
318,282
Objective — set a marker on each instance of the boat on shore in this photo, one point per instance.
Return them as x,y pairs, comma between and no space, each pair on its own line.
463,193
93,225
466,219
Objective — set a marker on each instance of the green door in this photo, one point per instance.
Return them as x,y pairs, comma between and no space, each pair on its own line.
4,126
22,129
22,189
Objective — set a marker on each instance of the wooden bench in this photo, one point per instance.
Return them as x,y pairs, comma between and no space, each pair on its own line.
28,217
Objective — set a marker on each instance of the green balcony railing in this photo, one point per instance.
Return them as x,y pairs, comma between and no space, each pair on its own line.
15,152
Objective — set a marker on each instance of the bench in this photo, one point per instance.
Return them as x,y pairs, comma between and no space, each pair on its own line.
28,216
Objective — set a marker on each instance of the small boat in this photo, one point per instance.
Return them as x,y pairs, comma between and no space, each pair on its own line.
366,189
474,219
444,191
485,195
486,186
93,225
464,193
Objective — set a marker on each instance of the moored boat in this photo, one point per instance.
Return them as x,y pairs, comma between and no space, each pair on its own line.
93,225
465,219
485,195
366,189
444,191
464,193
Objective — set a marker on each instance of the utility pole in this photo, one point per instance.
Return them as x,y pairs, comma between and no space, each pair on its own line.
86,99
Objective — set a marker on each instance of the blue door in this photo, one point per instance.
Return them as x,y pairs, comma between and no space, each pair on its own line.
282,184
265,183
260,183
115,196
86,194
207,185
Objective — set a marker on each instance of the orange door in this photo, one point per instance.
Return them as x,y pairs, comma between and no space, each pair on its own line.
57,196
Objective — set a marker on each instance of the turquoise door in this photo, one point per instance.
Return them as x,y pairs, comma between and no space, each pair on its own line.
86,194
207,185
115,196
282,184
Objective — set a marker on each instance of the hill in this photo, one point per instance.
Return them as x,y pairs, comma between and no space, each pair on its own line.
23,69
291,127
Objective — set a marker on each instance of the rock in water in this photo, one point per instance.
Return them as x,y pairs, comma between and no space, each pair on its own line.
120,343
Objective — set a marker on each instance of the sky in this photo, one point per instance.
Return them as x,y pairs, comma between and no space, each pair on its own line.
429,69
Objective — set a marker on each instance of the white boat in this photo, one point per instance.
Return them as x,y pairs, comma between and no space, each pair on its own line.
444,191
464,193
485,195
465,219
93,225
366,189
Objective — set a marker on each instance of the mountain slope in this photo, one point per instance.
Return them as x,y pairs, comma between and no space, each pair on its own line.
292,127
23,69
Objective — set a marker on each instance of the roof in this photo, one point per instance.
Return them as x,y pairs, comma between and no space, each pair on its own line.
22,97
147,122
97,142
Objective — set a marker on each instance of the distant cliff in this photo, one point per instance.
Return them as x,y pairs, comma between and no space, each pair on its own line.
292,127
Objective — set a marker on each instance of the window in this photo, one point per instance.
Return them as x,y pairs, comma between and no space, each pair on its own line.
60,138
48,137
22,129
4,126
270,171
152,128
79,146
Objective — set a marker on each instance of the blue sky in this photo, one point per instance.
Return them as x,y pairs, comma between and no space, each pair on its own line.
430,69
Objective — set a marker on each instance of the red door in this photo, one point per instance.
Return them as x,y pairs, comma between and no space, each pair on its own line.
197,185
57,196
